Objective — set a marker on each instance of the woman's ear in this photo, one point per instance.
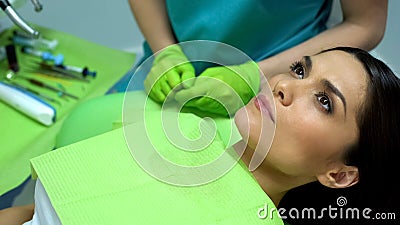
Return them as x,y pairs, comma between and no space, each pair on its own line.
341,177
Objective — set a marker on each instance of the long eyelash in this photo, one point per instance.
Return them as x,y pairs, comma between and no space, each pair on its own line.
294,65
323,93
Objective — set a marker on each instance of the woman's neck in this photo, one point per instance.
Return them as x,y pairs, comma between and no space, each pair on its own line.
274,182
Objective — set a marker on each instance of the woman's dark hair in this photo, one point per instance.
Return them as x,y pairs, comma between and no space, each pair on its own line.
375,154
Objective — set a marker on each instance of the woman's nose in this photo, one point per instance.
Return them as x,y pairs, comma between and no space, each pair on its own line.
283,92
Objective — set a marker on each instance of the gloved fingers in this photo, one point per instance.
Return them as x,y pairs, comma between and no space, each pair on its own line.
218,72
198,90
172,51
187,79
206,102
157,96
193,103
153,77
154,89
209,104
184,95
251,74
165,87
220,99
186,67
173,79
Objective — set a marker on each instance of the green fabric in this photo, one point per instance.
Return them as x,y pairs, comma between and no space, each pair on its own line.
170,68
97,181
223,89
81,124
23,138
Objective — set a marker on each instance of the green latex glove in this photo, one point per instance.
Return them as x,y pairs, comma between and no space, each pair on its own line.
170,68
225,84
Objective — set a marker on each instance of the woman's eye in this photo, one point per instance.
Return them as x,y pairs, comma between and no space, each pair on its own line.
324,101
298,69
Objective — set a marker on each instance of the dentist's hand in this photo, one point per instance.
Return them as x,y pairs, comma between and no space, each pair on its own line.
170,68
225,84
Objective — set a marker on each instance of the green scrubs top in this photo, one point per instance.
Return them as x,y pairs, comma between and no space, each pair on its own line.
259,28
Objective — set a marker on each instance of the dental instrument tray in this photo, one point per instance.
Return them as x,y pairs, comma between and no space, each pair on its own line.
83,73
24,137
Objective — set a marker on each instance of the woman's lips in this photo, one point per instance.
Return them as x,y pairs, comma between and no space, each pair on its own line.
262,103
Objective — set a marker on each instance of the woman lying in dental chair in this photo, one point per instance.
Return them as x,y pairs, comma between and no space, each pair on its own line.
336,124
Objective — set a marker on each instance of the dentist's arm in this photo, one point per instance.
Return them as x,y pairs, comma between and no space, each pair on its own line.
153,22
363,26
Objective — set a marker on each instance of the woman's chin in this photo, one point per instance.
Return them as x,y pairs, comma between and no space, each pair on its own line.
248,127
242,123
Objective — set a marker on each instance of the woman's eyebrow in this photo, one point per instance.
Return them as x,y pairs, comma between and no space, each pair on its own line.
308,62
328,85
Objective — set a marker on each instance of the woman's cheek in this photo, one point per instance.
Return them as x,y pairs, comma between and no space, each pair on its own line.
255,133
249,124
268,130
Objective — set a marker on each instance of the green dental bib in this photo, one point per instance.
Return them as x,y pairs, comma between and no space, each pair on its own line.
98,181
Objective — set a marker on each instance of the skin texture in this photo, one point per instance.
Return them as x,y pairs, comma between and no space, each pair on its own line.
16,215
313,128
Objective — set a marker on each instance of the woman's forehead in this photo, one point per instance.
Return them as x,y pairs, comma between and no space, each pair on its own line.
341,67
345,72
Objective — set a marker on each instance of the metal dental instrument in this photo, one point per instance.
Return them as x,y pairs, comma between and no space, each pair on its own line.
61,70
84,71
49,87
17,19
20,38
38,6
49,73
41,95
41,84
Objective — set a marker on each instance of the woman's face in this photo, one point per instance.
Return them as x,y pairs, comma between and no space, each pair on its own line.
316,109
